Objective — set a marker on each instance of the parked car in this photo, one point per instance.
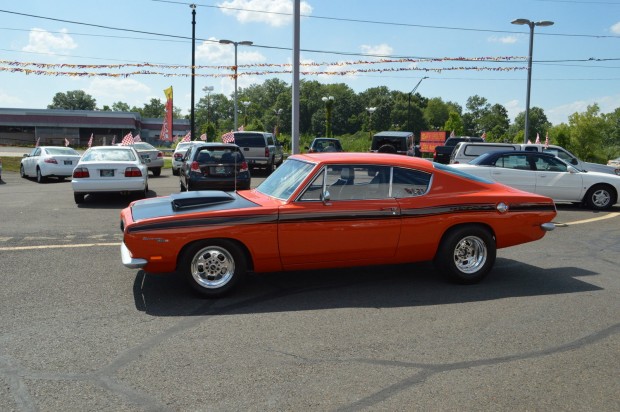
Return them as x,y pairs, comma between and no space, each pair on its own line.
325,144
443,153
333,210
402,143
260,149
153,157
464,152
214,166
49,161
614,162
110,169
547,175
179,153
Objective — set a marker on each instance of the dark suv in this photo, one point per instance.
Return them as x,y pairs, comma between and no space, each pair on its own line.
214,166
393,142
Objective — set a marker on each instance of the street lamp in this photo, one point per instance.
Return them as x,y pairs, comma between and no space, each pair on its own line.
409,104
191,117
370,111
278,113
245,113
329,103
236,43
529,68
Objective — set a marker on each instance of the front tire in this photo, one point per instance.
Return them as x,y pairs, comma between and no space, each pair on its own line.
22,173
213,267
600,197
466,254
40,177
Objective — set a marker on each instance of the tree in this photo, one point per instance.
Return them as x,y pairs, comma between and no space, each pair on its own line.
120,107
495,123
587,134
538,124
73,100
477,108
436,113
454,124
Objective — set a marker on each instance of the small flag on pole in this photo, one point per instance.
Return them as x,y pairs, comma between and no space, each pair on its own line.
90,141
537,138
484,136
228,137
203,136
67,143
137,138
241,128
37,143
113,140
529,141
187,137
127,140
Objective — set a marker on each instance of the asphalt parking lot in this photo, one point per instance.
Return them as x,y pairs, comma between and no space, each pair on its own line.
80,332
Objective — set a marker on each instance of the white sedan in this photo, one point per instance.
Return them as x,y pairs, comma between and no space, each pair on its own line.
547,175
49,161
179,153
151,155
110,169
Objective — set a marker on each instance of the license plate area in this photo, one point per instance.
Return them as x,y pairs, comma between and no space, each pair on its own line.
222,171
68,162
106,172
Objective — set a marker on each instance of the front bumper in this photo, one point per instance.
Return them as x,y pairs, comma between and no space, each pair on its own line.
129,261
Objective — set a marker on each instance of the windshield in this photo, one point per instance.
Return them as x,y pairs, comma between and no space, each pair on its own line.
143,146
286,179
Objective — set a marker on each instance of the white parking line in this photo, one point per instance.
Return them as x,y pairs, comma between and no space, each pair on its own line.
58,246
594,219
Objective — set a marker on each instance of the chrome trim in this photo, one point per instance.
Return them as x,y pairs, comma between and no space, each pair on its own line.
547,227
130,262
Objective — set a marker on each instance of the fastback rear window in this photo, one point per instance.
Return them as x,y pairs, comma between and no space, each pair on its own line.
250,140
460,173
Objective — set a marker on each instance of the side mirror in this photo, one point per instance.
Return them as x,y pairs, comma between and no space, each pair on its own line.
571,170
325,197
26,155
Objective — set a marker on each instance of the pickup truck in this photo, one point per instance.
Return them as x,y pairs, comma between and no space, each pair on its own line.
442,153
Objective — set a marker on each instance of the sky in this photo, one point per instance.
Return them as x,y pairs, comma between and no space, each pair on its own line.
450,49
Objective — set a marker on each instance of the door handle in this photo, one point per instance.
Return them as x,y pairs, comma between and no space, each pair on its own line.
390,209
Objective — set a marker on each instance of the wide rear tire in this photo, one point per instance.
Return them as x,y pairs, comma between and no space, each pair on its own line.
466,254
213,267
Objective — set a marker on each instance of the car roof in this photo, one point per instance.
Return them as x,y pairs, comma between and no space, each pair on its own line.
386,159
521,152
393,134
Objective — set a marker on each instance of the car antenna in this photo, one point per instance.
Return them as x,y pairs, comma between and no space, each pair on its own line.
235,172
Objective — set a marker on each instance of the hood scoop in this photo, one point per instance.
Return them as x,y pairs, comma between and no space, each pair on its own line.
200,199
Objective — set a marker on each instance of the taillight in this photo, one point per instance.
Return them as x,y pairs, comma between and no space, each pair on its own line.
266,152
80,172
133,172
455,162
195,167
50,160
177,156
160,154
243,167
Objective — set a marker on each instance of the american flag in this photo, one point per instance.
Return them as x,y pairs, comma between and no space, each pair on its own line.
127,140
90,141
187,137
37,143
67,143
203,136
537,139
452,134
241,128
137,138
228,137
484,136
547,140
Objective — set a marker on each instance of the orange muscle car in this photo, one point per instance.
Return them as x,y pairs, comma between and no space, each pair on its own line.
334,210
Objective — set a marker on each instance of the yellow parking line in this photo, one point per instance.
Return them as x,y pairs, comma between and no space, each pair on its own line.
57,246
594,219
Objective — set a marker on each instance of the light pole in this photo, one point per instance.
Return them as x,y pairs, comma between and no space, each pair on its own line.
409,104
531,24
329,103
278,113
191,117
245,113
236,43
370,111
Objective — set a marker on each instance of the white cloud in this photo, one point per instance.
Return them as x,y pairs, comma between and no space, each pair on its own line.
379,49
276,13
560,114
214,53
7,100
111,90
503,39
616,28
42,41
513,108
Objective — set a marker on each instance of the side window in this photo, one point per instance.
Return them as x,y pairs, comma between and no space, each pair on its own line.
409,183
357,182
562,155
550,164
518,162
315,189
270,140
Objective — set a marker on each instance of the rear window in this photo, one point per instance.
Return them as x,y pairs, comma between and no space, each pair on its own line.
250,140
109,155
61,151
459,172
398,142
219,156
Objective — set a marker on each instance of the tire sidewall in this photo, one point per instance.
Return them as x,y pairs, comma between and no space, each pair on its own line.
590,198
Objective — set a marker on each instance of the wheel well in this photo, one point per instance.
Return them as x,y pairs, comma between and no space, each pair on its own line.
461,225
246,252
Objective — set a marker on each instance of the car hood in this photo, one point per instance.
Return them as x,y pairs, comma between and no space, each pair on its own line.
188,202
